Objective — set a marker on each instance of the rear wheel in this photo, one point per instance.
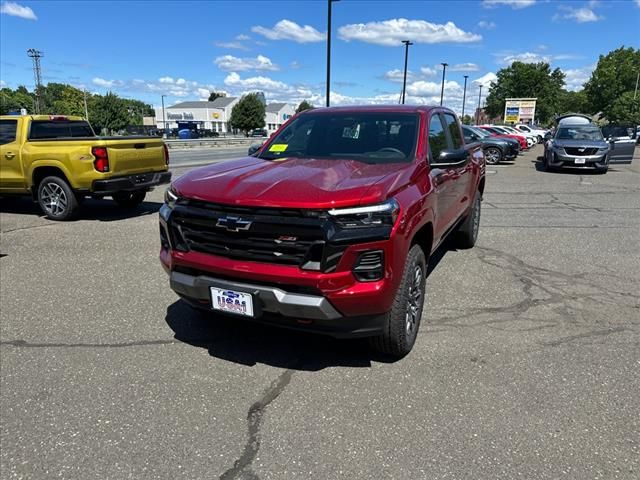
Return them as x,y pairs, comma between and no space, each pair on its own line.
129,199
56,198
467,233
403,321
493,155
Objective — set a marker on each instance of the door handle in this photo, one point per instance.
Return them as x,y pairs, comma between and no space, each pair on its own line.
9,155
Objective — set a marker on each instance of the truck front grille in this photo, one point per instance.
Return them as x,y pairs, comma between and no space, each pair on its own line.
278,236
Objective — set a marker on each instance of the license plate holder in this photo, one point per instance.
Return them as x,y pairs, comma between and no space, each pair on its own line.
233,302
579,161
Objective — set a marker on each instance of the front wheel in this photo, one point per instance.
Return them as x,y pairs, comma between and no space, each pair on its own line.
403,321
56,198
129,199
493,155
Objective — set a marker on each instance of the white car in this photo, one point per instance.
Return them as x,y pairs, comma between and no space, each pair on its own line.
534,131
531,140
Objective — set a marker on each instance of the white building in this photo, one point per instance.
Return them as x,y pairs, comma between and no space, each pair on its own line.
216,115
206,115
276,115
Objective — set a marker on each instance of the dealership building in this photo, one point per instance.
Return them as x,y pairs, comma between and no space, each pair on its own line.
215,116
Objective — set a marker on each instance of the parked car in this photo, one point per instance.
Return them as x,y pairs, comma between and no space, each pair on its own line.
58,160
494,131
259,132
495,149
538,132
329,227
531,139
582,145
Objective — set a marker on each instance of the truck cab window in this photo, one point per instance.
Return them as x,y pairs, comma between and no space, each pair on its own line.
454,131
8,131
437,138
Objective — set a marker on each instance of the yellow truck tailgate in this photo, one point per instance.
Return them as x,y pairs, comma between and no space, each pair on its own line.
129,156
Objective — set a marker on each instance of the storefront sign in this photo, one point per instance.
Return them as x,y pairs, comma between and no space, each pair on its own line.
518,110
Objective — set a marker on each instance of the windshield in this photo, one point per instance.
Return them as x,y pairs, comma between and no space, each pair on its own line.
579,132
478,131
377,137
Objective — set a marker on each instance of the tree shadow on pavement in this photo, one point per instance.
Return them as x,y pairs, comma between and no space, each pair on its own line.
90,209
249,343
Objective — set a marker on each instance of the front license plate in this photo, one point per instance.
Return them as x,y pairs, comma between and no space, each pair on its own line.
230,301
579,161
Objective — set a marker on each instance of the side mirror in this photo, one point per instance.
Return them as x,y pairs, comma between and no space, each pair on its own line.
253,149
451,158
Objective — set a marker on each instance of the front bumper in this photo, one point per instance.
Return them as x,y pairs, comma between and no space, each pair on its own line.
278,307
141,181
560,159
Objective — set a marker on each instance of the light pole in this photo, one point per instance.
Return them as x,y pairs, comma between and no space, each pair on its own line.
164,119
635,92
86,110
464,95
329,2
444,69
406,59
478,111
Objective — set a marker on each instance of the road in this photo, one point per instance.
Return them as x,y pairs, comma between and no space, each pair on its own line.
199,156
527,364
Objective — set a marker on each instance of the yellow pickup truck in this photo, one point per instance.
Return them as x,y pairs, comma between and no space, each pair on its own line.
60,161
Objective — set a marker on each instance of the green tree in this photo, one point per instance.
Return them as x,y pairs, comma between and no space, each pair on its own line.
527,80
624,109
467,120
108,112
614,75
574,102
14,100
248,113
304,105
214,95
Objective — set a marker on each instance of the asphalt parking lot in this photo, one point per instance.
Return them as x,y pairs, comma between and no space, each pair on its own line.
527,364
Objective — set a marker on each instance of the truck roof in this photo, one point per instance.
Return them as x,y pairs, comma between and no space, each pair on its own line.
378,108
43,117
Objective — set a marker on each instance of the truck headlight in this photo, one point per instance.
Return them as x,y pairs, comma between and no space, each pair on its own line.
380,214
170,197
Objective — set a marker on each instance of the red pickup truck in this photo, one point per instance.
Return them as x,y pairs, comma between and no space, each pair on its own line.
329,226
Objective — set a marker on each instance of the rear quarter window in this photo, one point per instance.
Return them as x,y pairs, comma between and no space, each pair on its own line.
8,131
48,129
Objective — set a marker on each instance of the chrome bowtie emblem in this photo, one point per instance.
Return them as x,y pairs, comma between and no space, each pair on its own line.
233,224
581,149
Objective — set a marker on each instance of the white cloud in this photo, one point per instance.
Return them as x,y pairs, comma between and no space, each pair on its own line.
486,79
637,3
233,45
507,58
256,83
16,10
432,89
464,67
288,30
229,63
3,83
579,15
101,82
487,25
242,37
166,80
390,33
427,72
515,4
576,78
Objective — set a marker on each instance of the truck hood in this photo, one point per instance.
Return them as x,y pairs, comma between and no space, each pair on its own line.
292,182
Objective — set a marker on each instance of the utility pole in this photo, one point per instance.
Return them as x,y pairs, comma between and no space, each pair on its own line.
86,110
464,95
406,59
478,112
36,55
164,119
328,94
636,90
444,69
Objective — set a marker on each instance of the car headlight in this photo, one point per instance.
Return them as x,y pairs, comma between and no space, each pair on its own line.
603,150
170,197
381,214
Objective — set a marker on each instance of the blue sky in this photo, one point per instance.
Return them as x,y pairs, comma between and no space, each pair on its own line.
185,49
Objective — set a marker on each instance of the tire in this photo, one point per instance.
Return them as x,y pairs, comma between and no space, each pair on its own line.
56,199
540,139
403,321
493,155
467,233
129,199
